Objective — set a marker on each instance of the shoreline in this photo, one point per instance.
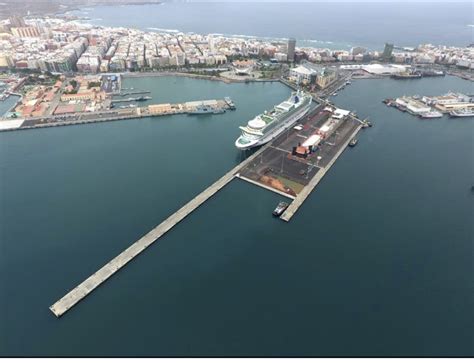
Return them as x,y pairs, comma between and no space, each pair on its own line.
195,76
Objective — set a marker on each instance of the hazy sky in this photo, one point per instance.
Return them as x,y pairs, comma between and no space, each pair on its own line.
326,1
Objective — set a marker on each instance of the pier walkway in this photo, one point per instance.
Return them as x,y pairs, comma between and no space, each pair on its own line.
91,283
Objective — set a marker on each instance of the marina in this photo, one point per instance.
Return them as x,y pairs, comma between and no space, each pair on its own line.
428,107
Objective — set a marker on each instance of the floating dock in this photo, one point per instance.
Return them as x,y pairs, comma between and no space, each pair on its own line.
95,280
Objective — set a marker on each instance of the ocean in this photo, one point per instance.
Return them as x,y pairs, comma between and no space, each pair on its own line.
316,24
378,260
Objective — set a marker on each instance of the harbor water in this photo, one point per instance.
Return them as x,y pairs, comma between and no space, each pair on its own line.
378,260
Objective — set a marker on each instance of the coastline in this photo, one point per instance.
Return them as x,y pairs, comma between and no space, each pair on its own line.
195,76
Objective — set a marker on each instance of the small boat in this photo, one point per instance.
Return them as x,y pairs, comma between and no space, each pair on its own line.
280,208
466,112
431,114
201,110
353,142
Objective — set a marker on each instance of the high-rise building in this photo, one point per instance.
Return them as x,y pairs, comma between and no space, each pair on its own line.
291,50
387,51
212,47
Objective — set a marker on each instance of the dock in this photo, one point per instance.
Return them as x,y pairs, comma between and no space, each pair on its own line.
298,201
116,114
293,170
82,290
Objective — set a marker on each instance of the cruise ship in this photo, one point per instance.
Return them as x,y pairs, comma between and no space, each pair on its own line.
269,125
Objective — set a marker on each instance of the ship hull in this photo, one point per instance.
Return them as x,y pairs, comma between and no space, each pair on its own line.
285,125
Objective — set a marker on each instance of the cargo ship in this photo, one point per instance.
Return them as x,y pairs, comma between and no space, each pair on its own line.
269,125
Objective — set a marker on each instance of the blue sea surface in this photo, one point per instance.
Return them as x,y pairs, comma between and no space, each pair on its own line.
377,261
317,24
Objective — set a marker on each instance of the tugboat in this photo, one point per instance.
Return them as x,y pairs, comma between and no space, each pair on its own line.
281,207
230,103
353,142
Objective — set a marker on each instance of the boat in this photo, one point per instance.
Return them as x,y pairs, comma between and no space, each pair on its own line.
464,112
353,142
230,103
141,98
407,75
280,208
201,110
431,114
269,125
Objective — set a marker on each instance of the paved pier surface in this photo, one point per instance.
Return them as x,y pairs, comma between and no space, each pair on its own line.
264,186
87,286
298,201
106,116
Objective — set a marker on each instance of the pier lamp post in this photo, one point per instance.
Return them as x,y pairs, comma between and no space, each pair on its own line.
318,159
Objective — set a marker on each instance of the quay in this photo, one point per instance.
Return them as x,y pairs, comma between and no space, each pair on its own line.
78,293
294,163
298,201
156,110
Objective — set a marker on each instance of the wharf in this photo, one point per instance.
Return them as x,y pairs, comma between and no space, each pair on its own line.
298,201
61,306
110,115
132,99
281,169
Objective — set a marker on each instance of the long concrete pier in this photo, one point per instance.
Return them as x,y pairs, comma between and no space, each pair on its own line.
95,280
299,200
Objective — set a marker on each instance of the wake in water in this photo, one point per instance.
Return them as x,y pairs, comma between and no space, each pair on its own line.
164,30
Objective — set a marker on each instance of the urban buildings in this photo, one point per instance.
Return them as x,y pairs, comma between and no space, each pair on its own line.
309,73
61,46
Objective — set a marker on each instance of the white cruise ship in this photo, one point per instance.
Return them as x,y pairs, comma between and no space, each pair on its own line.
269,125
